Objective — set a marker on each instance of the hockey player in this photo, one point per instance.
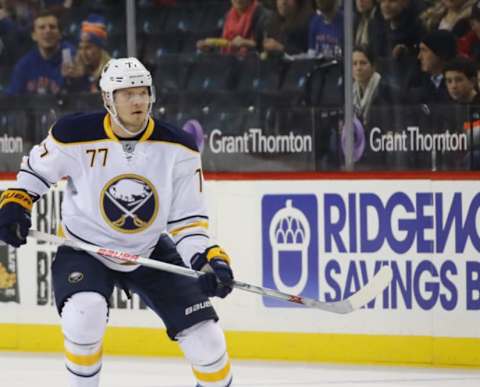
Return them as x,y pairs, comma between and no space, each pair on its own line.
130,179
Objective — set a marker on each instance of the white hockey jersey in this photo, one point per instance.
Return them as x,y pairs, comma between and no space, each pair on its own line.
122,194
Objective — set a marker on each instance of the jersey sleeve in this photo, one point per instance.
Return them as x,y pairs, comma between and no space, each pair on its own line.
46,164
188,220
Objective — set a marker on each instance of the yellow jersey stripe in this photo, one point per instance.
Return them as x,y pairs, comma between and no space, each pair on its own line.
107,126
213,376
84,360
148,132
176,231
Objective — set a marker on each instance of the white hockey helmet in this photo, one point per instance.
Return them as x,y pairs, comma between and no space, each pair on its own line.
123,73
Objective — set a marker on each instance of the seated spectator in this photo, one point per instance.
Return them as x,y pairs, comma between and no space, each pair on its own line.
242,29
469,44
287,31
435,50
39,71
461,79
460,76
325,38
369,88
83,73
366,12
399,32
451,15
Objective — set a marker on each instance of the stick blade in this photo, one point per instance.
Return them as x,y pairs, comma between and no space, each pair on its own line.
378,283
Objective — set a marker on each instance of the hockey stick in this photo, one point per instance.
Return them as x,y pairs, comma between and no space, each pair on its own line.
376,285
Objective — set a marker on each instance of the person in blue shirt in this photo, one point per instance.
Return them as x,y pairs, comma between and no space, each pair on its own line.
325,38
39,70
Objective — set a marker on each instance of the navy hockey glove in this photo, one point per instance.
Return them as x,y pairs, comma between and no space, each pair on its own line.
15,209
215,263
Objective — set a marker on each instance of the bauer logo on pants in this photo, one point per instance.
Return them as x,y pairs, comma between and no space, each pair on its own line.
290,246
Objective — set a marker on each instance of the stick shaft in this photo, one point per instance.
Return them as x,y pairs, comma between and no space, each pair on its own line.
370,291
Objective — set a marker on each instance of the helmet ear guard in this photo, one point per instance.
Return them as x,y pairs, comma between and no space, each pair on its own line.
124,73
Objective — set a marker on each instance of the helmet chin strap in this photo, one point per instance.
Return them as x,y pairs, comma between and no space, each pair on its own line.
110,106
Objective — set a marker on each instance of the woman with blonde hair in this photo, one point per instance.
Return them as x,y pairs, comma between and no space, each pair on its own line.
451,15
83,72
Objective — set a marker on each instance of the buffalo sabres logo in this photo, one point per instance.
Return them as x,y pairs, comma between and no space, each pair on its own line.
129,203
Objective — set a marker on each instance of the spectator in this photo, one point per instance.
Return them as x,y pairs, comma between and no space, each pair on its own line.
39,71
83,73
461,78
366,12
242,30
399,32
369,88
469,44
451,15
325,38
287,31
435,50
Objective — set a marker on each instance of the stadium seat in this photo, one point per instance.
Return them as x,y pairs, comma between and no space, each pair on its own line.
296,75
211,73
324,86
259,75
158,45
171,73
183,18
117,45
213,17
151,21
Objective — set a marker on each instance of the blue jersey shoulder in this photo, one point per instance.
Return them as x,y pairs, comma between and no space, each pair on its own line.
79,127
170,133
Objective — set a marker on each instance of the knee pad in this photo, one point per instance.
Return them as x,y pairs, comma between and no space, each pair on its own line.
205,348
84,318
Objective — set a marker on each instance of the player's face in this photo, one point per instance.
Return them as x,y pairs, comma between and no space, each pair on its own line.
132,106
46,32
459,86
90,53
429,62
362,68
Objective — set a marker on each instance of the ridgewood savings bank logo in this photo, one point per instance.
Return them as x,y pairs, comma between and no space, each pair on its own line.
290,246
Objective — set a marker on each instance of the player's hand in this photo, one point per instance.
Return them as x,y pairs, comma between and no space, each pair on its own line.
15,209
218,277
